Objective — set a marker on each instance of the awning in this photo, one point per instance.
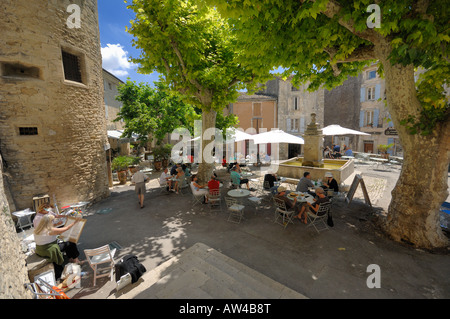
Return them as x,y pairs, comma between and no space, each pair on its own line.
117,135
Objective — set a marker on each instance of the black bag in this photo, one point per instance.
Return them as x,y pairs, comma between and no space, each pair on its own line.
129,264
330,219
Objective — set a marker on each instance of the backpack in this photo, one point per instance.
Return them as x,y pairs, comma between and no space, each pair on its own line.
129,264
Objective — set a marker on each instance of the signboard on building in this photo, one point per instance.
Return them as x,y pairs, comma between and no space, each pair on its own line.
390,131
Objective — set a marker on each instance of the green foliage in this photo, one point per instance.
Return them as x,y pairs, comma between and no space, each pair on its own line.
121,163
162,152
153,111
320,48
193,49
383,148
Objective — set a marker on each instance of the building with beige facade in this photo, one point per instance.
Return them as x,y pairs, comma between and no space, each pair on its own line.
52,117
374,116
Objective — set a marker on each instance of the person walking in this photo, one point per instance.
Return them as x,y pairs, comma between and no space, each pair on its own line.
139,179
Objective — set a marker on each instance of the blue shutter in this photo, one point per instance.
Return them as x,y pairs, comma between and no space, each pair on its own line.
377,91
361,119
362,97
390,123
376,113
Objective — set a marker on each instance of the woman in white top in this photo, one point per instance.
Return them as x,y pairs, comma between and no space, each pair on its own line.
47,246
198,189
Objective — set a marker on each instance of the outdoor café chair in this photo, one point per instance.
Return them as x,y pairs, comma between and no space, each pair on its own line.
101,259
320,218
236,211
283,216
214,200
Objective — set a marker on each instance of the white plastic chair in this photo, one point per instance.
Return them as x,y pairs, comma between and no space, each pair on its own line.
214,200
103,256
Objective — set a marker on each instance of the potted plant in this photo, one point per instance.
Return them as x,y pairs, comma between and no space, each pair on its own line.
383,149
161,155
133,162
120,164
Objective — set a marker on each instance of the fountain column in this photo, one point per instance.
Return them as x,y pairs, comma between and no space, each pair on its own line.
313,144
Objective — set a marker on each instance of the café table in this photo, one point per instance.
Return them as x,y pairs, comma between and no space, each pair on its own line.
301,197
238,193
380,161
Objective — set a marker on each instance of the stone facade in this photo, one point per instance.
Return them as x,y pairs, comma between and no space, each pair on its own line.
342,107
112,106
374,115
52,117
295,106
13,268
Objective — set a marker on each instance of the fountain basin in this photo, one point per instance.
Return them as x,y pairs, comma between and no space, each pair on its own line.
341,169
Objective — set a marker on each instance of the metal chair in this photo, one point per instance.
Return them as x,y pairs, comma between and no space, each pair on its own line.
236,210
196,199
214,200
283,216
104,257
163,187
319,217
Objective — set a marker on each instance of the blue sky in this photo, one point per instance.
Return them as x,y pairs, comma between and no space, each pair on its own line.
116,44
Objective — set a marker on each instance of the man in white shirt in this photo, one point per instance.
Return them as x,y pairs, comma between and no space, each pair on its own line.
139,179
164,179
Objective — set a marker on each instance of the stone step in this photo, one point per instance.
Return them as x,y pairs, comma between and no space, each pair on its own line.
202,272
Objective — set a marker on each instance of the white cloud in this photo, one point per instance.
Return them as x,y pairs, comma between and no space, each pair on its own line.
115,60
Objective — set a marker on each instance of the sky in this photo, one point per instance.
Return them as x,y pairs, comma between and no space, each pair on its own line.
115,41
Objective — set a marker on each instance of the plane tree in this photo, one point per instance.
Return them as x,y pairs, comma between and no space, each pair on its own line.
322,42
194,51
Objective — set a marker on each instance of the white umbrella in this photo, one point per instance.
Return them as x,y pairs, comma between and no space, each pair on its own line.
277,136
236,136
339,130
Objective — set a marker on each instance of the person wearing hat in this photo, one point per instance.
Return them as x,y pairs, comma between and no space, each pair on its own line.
330,182
281,194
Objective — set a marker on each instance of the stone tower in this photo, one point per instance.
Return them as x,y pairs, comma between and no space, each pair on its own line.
52,118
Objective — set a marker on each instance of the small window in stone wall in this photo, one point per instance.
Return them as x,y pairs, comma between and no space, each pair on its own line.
28,131
72,70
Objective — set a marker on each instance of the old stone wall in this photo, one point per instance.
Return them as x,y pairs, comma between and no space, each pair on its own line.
62,152
13,271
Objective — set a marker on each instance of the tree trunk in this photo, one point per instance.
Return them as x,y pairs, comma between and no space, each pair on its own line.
205,169
413,214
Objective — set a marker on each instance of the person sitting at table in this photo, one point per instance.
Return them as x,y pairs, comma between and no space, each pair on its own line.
198,189
348,151
327,153
213,183
173,170
224,161
271,178
180,179
186,170
47,246
330,183
304,183
290,204
165,179
47,209
236,178
314,207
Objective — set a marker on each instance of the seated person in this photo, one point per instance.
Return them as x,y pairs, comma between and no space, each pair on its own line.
186,170
348,151
305,183
164,179
271,179
213,183
173,170
224,162
330,183
198,189
180,180
314,208
47,246
290,204
237,180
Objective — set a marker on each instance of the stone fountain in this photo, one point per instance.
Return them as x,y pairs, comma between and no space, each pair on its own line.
312,160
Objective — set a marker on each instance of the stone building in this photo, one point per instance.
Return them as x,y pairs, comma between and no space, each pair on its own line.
52,118
374,116
295,106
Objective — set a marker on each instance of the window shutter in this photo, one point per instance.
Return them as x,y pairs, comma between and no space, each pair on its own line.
377,91
376,113
363,94
390,141
390,123
302,124
361,119
288,125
